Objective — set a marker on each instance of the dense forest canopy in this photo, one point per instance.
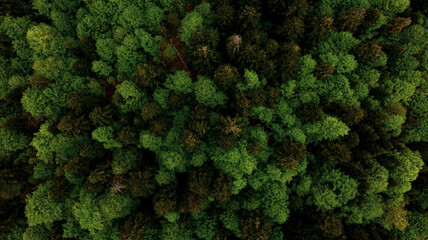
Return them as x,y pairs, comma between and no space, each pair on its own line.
213,119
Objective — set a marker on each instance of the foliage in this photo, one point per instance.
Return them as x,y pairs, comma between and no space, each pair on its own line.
199,18
333,189
328,128
40,209
131,97
206,92
180,82
12,141
213,119
97,214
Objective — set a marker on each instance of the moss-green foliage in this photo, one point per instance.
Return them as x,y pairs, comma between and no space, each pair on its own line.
333,189
124,160
206,119
51,101
97,214
12,141
130,97
45,41
180,82
105,135
200,18
328,128
40,209
275,202
206,92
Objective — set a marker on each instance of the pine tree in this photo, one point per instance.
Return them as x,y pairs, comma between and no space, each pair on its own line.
73,126
226,76
319,28
288,61
102,115
335,153
141,183
369,51
222,186
136,226
292,29
189,140
160,125
176,100
255,226
249,17
148,75
349,20
199,180
127,136
330,225
165,200
289,154
204,59
150,110
324,70
225,15
97,180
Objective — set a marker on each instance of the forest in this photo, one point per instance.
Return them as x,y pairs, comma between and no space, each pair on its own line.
213,119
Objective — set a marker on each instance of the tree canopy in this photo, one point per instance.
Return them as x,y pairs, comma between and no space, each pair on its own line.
213,119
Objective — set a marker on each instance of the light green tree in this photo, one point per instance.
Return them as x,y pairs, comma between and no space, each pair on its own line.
40,209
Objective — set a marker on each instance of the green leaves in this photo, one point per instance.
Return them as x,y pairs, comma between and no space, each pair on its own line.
150,141
230,220
343,63
50,67
329,128
45,41
236,162
333,189
38,232
276,202
410,165
51,101
148,42
127,59
393,124
252,118
12,141
172,160
15,28
206,92
106,49
172,231
131,97
102,68
338,42
378,182
337,88
97,214
104,134
392,7
370,208
131,18
206,226
124,160
180,82
153,17
40,209
251,81
198,19
307,64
